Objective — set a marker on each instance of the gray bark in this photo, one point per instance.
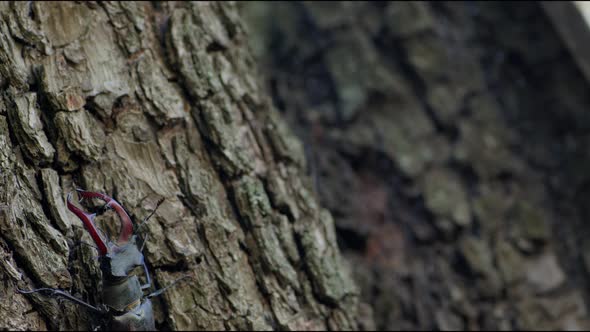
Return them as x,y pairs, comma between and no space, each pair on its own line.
145,101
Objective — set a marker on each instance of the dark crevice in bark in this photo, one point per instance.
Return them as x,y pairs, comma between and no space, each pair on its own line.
22,265
253,253
419,87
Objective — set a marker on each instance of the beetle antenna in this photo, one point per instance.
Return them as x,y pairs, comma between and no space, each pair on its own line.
151,214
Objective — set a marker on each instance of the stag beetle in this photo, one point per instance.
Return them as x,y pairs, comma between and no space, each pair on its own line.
125,306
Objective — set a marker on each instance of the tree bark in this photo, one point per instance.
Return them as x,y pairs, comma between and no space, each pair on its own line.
449,141
144,101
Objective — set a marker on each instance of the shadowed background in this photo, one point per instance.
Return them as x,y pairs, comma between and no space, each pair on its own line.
450,142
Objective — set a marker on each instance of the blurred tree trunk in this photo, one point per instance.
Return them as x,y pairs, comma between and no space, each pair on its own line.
145,101
450,142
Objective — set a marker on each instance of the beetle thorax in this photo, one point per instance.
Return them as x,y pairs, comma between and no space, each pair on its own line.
121,260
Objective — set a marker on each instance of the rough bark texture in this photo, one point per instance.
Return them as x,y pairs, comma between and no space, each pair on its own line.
450,142
145,101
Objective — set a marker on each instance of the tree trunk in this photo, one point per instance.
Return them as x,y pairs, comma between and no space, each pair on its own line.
450,142
144,101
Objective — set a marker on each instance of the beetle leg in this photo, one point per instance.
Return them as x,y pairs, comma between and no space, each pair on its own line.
58,292
148,283
143,243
